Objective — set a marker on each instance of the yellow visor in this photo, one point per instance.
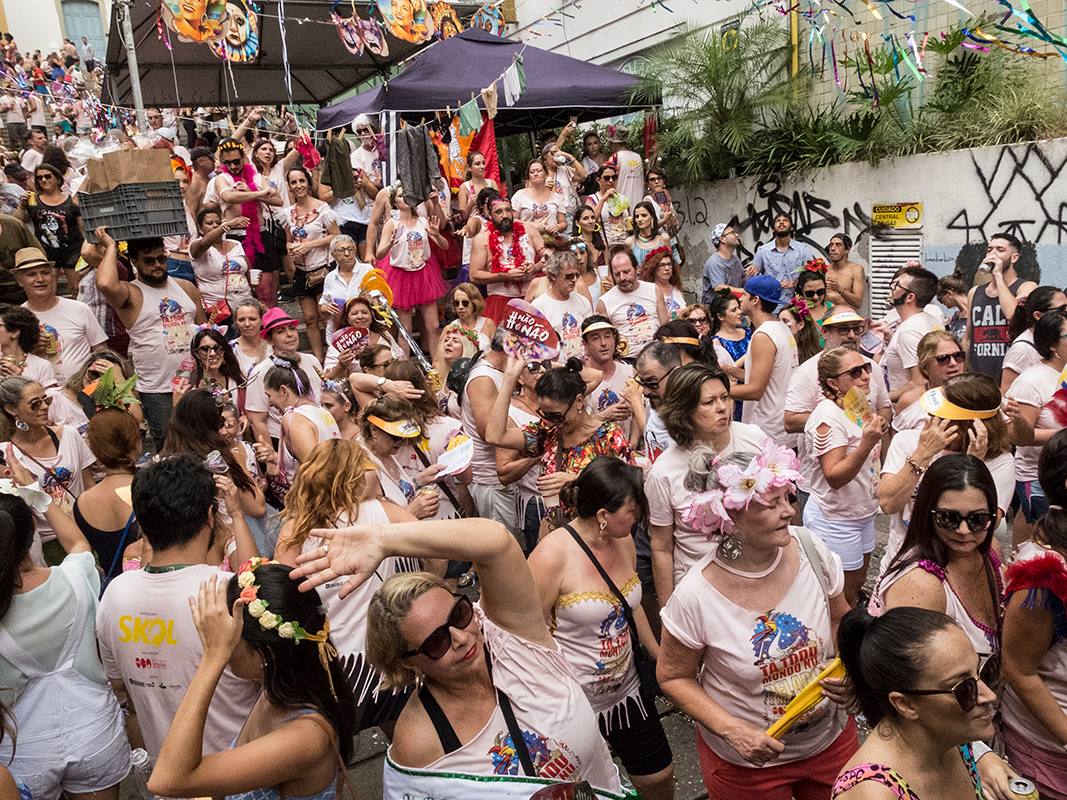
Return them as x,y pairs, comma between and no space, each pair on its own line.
935,403
404,428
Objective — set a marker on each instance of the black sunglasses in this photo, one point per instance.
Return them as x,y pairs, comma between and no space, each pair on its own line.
440,639
609,178
232,162
698,320
855,372
150,260
652,383
959,357
538,366
209,348
965,692
555,417
811,294
949,520
461,303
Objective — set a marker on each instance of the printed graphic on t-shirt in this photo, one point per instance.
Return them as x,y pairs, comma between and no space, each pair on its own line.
51,342
177,331
673,307
607,398
551,758
642,323
416,249
613,658
236,282
570,335
55,482
787,654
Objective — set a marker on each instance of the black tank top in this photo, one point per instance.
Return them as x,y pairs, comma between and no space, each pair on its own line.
989,332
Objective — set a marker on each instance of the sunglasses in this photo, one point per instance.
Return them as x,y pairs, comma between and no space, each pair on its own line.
965,692
555,417
363,131
207,349
653,383
461,303
46,176
949,520
608,178
440,639
538,366
811,294
856,372
150,260
37,402
699,320
959,357
232,162
570,276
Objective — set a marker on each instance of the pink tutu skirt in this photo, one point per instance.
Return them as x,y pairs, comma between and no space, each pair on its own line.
413,289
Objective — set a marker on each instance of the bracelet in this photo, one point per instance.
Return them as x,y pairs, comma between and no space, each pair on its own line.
919,471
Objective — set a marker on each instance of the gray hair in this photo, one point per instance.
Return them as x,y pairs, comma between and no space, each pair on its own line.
664,354
342,238
554,263
703,473
11,389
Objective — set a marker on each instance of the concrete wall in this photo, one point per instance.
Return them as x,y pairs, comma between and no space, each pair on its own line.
967,195
38,24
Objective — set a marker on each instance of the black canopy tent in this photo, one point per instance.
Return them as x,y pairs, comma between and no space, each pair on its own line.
558,87
320,66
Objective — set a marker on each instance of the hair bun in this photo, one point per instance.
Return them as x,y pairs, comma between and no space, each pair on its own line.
574,364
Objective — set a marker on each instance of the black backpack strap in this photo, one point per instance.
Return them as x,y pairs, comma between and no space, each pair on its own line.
445,732
517,740
626,610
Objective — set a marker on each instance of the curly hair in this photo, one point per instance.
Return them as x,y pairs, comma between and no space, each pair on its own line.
329,483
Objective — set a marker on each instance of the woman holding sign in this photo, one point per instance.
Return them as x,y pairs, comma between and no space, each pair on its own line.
844,438
360,330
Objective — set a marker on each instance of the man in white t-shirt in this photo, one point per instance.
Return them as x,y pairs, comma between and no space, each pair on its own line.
912,289
149,645
654,366
631,303
70,330
772,358
32,156
564,307
367,173
608,400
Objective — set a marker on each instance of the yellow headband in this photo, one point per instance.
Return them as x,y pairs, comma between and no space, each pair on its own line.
681,340
934,402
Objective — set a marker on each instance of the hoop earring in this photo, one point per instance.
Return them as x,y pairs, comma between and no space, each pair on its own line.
21,424
596,228
603,525
729,548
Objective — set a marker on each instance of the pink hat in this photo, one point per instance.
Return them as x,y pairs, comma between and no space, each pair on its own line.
275,318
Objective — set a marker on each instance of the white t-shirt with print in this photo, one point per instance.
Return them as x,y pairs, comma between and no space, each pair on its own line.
566,317
75,330
149,642
610,390
633,313
529,210
1034,387
769,411
755,661
60,475
858,499
901,354
668,499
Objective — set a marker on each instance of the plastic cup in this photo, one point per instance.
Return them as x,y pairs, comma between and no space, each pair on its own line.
254,276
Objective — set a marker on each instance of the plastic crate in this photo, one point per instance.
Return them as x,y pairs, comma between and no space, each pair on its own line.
135,211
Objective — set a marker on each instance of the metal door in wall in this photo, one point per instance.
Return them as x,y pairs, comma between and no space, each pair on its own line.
82,18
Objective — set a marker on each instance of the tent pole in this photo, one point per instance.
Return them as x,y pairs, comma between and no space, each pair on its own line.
131,61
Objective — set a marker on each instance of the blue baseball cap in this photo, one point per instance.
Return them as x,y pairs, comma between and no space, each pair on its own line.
765,287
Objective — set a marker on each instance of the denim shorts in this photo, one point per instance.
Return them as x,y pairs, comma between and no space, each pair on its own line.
1031,499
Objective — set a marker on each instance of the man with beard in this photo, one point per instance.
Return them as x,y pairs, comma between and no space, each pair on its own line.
504,257
158,311
993,305
783,257
234,188
912,289
608,400
655,363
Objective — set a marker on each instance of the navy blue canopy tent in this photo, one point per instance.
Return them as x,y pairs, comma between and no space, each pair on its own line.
448,73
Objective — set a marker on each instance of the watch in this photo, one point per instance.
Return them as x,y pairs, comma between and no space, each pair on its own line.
380,383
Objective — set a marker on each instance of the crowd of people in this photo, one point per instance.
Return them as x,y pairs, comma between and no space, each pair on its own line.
232,539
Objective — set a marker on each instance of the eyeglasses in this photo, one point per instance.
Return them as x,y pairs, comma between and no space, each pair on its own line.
653,383
949,520
461,303
384,364
855,329
965,692
608,178
207,349
1061,309
555,417
45,176
37,402
232,162
856,372
811,294
898,285
698,320
150,260
959,357
538,366
345,250
655,179
570,276
440,639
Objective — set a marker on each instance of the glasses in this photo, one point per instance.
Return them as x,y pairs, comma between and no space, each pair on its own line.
653,383
570,276
363,131
812,294
655,179
698,320
1061,309
965,692
555,417
854,329
37,402
959,357
384,364
949,520
608,178
538,366
344,250
232,162
208,349
461,303
898,285
856,372
45,176
150,260
440,639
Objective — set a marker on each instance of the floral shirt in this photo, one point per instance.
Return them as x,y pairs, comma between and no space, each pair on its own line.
607,440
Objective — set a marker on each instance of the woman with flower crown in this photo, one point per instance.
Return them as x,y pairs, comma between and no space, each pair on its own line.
749,626
298,735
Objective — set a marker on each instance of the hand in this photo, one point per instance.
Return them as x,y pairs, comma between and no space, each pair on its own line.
180,388
298,249
609,193
355,551
839,691
752,744
240,186
219,627
425,505
264,453
751,270
789,284
237,222
256,114
549,485
227,490
516,274
995,773
514,367
978,440
102,366
936,436
20,476
633,394
329,310
1011,409
616,412
434,223
831,283
402,389
104,238
8,366
874,427
429,475
346,358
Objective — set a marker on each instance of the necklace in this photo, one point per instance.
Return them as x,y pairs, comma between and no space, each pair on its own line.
761,574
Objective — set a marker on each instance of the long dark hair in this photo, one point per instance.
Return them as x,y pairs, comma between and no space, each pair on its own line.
703,352
576,230
293,676
606,483
1052,472
717,305
195,428
886,654
651,209
1039,299
16,538
230,368
949,473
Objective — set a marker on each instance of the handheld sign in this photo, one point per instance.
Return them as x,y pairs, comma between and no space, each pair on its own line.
856,406
457,457
528,333
354,339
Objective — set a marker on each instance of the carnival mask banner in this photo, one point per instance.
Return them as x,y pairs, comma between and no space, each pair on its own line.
407,20
490,19
358,34
239,42
528,334
199,21
445,20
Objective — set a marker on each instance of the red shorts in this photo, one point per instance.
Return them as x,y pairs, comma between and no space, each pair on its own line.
808,779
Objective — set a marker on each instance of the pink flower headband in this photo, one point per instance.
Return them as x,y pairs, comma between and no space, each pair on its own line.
774,467
801,308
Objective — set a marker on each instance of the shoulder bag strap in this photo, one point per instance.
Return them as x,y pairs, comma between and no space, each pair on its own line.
626,610
445,732
806,543
425,459
517,741
118,552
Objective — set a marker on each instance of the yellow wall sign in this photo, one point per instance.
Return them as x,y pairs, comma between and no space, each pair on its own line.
897,215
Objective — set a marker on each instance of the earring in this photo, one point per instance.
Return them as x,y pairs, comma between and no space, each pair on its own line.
603,525
729,547
21,424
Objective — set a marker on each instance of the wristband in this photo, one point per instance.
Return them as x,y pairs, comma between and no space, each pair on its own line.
911,462
979,749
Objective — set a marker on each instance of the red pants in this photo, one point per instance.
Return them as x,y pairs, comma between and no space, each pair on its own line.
808,779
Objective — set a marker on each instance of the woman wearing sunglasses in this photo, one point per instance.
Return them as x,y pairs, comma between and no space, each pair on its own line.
468,304
597,633
916,678
215,367
963,416
610,207
482,671
57,221
1022,354
1035,649
941,356
948,562
844,453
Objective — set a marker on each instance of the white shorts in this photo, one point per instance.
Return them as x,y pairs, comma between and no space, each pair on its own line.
851,539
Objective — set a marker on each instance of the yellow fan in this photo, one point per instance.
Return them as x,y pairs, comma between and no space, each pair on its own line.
375,281
807,698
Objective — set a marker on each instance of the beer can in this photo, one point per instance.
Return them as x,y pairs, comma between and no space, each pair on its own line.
1023,789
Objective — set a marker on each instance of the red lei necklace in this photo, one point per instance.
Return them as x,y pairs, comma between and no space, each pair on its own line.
496,249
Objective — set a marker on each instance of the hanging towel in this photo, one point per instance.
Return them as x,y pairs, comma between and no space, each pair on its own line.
470,118
490,99
514,82
337,167
416,163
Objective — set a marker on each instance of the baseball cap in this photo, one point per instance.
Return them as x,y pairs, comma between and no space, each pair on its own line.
717,233
765,287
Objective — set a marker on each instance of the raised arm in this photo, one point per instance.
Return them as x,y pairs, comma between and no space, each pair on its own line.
497,431
115,291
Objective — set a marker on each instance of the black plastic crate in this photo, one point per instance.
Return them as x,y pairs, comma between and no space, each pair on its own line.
135,211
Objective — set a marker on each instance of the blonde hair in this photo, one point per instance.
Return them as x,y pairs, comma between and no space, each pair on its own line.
473,294
927,348
331,481
830,367
387,610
